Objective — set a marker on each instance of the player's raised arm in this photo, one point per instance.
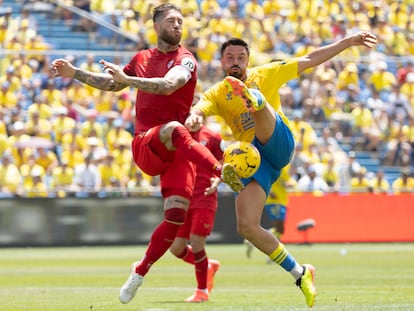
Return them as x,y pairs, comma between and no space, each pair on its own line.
174,79
103,81
323,54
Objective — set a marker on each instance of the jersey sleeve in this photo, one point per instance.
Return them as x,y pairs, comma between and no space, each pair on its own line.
129,69
207,103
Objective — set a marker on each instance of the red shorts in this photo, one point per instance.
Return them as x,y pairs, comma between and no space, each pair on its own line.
198,221
177,174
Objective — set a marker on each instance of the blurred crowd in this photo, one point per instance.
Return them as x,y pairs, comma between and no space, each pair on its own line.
59,137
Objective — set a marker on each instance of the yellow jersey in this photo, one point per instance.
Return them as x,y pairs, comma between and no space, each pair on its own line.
267,79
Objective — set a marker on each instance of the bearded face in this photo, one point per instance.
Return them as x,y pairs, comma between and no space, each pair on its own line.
170,28
170,37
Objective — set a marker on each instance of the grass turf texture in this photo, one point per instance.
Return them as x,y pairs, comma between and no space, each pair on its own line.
364,277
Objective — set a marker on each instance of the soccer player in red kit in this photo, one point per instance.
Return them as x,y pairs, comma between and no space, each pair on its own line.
200,220
165,77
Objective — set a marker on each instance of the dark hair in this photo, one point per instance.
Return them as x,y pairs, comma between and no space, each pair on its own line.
234,41
160,11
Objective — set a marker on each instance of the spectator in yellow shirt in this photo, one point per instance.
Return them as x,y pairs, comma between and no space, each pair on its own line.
122,156
302,130
404,183
117,134
10,177
37,44
42,106
52,95
38,127
78,93
8,99
138,185
27,168
364,124
348,76
109,170
276,205
360,183
11,77
47,159
128,23
17,141
37,187
72,154
62,124
62,179
277,201
381,79
91,124
331,175
379,184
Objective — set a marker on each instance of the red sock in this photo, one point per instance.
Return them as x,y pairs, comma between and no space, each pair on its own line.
201,269
197,153
187,255
161,239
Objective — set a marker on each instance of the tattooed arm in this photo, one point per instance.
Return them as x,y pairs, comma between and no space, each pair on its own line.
102,81
175,78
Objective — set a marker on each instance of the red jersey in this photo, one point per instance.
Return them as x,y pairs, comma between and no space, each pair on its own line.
212,141
152,109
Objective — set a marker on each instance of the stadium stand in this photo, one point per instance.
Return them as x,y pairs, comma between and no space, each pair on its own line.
325,97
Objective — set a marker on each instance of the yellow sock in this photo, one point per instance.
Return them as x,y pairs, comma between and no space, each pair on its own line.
282,257
279,254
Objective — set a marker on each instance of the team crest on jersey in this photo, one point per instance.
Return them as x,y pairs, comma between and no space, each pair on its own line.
188,63
170,63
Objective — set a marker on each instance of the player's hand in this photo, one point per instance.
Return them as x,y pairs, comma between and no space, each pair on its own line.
63,68
115,71
193,122
364,38
215,182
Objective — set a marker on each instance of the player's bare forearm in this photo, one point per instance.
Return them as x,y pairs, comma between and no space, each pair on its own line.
100,81
160,86
175,78
325,53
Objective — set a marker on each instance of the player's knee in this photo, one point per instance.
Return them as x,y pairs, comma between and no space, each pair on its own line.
169,128
245,229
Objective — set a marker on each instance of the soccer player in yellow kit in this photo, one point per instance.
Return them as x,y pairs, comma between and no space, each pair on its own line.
249,102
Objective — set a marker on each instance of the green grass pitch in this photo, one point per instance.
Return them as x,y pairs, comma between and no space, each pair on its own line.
348,277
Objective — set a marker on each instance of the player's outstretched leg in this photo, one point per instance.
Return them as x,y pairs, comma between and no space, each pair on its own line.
230,177
252,98
130,287
306,283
